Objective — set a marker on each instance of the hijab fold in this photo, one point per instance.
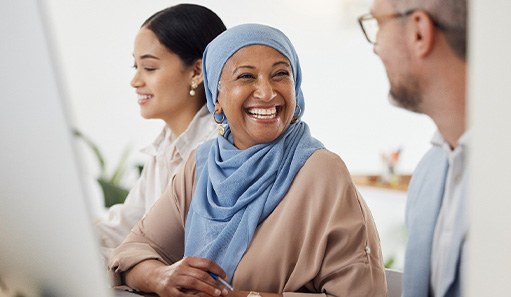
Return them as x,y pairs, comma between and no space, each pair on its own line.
237,189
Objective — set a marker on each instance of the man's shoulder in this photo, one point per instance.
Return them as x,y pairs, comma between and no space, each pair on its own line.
428,178
434,158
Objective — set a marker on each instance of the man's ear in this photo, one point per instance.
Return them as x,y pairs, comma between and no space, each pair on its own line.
423,30
197,71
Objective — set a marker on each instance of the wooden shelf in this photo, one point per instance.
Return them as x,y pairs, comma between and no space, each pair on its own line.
401,183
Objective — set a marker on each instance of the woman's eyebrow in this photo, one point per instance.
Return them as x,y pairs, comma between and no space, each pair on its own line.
148,56
281,63
253,67
242,66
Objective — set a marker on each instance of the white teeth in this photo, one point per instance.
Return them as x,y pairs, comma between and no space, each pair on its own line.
263,113
144,97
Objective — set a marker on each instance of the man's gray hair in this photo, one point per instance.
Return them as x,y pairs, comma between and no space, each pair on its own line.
450,14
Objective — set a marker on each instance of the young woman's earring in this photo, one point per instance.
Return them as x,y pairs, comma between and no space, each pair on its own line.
220,128
193,86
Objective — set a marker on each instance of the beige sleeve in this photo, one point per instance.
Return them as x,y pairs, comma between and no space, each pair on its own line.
320,240
160,233
344,241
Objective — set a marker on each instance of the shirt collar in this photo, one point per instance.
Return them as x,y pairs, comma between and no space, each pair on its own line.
152,149
198,130
195,133
439,141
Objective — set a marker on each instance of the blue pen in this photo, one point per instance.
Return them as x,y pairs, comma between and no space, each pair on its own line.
223,282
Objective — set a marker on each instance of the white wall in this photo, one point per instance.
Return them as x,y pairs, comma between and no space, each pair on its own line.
388,210
344,82
490,235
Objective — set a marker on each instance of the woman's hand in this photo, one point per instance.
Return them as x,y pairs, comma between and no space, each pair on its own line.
186,278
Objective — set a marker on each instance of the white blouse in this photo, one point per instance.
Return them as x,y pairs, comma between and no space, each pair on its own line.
166,155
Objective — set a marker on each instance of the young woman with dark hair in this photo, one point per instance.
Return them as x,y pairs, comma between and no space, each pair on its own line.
169,85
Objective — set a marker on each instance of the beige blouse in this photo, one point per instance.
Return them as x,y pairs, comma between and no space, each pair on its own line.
320,239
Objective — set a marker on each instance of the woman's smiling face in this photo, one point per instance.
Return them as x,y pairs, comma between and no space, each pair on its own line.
257,95
161,79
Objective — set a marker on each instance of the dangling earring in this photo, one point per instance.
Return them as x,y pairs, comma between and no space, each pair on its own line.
220,128
296,117
193,86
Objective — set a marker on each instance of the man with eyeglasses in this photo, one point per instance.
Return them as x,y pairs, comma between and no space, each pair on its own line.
422,44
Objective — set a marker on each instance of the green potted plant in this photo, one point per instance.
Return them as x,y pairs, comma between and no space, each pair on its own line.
113,191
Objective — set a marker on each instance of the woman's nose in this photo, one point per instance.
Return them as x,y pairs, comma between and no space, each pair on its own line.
136,81
264,90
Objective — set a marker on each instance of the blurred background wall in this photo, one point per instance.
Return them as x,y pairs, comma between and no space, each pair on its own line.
344,83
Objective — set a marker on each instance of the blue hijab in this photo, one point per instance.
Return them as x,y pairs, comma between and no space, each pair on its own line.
237,189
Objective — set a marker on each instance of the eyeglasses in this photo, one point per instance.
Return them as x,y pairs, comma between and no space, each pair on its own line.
370,23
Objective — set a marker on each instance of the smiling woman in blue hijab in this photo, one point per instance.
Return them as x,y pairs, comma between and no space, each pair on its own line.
264,206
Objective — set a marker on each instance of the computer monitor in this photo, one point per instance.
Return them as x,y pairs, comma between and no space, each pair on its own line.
48,245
